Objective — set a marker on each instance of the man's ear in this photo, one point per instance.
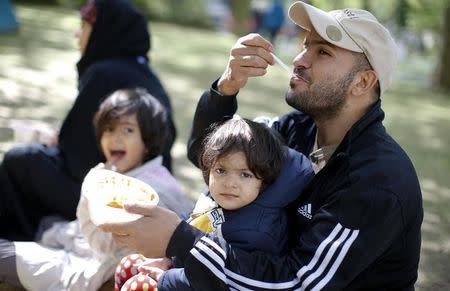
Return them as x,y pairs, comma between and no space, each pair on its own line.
364,82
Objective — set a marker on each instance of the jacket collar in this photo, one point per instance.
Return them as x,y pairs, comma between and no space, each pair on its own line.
373,116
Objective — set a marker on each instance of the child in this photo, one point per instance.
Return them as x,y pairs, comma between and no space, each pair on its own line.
131,129
251,178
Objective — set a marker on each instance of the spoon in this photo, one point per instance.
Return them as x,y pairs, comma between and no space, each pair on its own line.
280,62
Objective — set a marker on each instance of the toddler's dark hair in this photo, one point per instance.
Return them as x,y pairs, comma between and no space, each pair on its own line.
150,114
260,146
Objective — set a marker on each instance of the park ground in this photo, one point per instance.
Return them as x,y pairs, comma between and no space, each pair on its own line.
38,85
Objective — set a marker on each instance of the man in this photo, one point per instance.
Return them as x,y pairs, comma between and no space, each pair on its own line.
357,225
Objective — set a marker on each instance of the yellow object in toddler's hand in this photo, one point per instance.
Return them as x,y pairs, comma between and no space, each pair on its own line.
202,223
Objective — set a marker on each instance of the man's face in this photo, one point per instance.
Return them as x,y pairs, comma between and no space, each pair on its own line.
322,76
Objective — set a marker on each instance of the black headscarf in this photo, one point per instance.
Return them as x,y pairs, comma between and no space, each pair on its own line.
119,31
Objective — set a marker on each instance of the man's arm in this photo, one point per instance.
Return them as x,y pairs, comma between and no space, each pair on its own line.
354,228
249,57
339,245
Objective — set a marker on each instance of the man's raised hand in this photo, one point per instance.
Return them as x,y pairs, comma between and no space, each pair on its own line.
249,57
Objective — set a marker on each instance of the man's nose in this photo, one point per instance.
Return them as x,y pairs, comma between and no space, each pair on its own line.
303,59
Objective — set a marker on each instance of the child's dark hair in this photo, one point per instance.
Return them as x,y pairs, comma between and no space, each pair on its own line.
150,114
260,146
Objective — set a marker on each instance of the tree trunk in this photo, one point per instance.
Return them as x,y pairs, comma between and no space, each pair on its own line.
240,10
365,4
442,79
401,13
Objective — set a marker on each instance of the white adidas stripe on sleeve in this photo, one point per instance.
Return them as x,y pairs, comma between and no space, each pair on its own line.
319,251
340,238
337,262
217,272
326,260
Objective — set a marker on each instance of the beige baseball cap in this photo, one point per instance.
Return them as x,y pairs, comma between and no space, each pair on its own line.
352,29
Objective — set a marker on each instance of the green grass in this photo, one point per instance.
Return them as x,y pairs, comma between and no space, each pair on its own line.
38,81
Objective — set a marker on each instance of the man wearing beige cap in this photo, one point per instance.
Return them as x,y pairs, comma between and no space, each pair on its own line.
357,225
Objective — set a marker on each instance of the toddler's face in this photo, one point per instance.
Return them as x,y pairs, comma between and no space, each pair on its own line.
122,144
231,183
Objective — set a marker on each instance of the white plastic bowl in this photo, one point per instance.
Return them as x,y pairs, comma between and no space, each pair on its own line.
101,186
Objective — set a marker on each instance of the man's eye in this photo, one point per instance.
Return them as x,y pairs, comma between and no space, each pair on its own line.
323,52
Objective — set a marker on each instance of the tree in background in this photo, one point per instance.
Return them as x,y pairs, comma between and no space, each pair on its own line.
241,12
365,4
442,75
401,13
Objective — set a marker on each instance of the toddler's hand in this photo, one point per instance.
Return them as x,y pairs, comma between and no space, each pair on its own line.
155,267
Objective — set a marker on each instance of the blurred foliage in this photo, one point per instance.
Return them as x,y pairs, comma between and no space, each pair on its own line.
46,2
442,72
417,25
241,12
188,12
401,13
418,15
426,14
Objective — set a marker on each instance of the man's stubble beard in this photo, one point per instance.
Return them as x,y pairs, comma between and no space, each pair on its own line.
324,100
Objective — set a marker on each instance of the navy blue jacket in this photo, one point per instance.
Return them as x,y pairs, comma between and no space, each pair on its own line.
262,225
355,227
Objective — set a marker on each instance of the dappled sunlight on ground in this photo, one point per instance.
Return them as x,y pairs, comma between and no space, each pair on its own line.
436,242
420,121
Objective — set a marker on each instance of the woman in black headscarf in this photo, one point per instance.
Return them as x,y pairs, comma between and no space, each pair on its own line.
39,180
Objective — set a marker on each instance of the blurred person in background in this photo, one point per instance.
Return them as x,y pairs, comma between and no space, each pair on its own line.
220,14
256,16
273,19
40,180
8,20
